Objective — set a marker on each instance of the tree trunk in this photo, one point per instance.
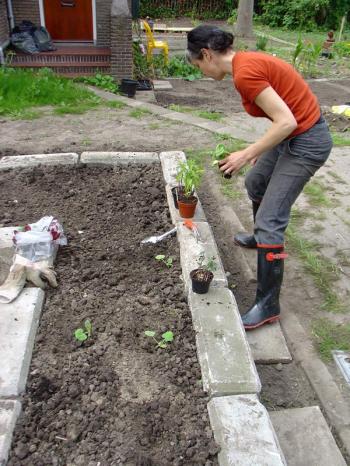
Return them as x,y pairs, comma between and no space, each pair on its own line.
244,24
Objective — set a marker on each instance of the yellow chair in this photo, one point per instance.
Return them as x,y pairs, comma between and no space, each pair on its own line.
155,44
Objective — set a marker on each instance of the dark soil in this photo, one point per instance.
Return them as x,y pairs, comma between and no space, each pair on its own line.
117,399
221,96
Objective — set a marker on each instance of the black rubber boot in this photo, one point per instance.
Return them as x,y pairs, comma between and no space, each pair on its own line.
243,239
266,308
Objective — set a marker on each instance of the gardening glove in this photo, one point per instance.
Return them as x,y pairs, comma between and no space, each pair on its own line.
21,270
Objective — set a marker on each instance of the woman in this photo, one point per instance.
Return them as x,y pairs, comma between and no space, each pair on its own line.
295,146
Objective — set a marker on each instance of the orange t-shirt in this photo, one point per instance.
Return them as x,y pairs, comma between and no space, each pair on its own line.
255,71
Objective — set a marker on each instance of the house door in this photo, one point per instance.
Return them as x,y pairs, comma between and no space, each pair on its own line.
69,20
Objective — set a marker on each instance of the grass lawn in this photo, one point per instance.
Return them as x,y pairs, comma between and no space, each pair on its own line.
22,90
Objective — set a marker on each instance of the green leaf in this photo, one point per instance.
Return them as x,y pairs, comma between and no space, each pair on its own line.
160,257
169,262
150,333
168,336
88,327
80,335
161,344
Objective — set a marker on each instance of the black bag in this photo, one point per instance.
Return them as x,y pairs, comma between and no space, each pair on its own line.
24,42
26,26
43,40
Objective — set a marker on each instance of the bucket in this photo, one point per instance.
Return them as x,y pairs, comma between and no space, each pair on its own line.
128,87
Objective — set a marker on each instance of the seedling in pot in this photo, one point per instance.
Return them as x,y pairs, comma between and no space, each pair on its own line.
189,175
82,334
203,275
167,337
219,153
168,261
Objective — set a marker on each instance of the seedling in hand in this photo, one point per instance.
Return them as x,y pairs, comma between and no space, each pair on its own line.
218,154
167,337
167,261
82,334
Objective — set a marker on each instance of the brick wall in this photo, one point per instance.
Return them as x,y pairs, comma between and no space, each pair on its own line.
26,9
121,47
103,22
4,29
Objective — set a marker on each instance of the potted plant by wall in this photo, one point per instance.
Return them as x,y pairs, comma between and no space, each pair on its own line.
203,275
143,69
189,175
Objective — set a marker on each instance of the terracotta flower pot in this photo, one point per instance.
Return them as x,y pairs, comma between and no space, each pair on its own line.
187,206
201,280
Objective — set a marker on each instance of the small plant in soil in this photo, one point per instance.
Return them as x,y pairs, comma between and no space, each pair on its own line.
167,337
82,334
168,261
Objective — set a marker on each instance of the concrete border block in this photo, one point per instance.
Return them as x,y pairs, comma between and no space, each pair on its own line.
24,161
310,445
18,323
9,412
118,158
199,214
190,250
169,161
223,351
243,429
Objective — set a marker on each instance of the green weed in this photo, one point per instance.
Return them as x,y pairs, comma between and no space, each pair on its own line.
115,104
167,337
227,188
139,112
315,191
340,140
323,271
168,261
330,336
82,334
103,81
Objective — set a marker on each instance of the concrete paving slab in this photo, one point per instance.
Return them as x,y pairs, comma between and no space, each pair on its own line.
18,161
305,437
243,429
224,355
118,158
7,250
146,96
199,214
170,161
268,344
190,249
9,412
161,85
18,324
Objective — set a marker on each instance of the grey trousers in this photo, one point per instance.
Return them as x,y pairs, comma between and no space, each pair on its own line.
279,176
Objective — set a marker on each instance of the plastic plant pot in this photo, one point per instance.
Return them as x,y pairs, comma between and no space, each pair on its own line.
187,206
128,87
201,286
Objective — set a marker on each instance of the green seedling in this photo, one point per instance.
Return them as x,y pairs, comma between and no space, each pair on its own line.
210,265
168,261
82,334
167,337
219,153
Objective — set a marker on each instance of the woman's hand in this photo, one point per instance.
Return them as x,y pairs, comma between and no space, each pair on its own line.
235,161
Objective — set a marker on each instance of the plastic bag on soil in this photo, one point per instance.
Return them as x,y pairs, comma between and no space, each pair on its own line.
24,42
43,40
40,240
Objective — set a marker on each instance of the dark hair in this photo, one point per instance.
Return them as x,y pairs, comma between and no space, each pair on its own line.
207,37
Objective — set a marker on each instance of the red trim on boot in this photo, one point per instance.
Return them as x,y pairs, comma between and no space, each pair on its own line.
270,320
270,246
270,256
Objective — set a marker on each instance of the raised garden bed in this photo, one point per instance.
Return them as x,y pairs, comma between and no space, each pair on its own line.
117,398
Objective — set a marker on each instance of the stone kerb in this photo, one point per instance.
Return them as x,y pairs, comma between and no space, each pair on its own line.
9,412
190,249
118,158
243,429
18,323
21,161
170,161
223,351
